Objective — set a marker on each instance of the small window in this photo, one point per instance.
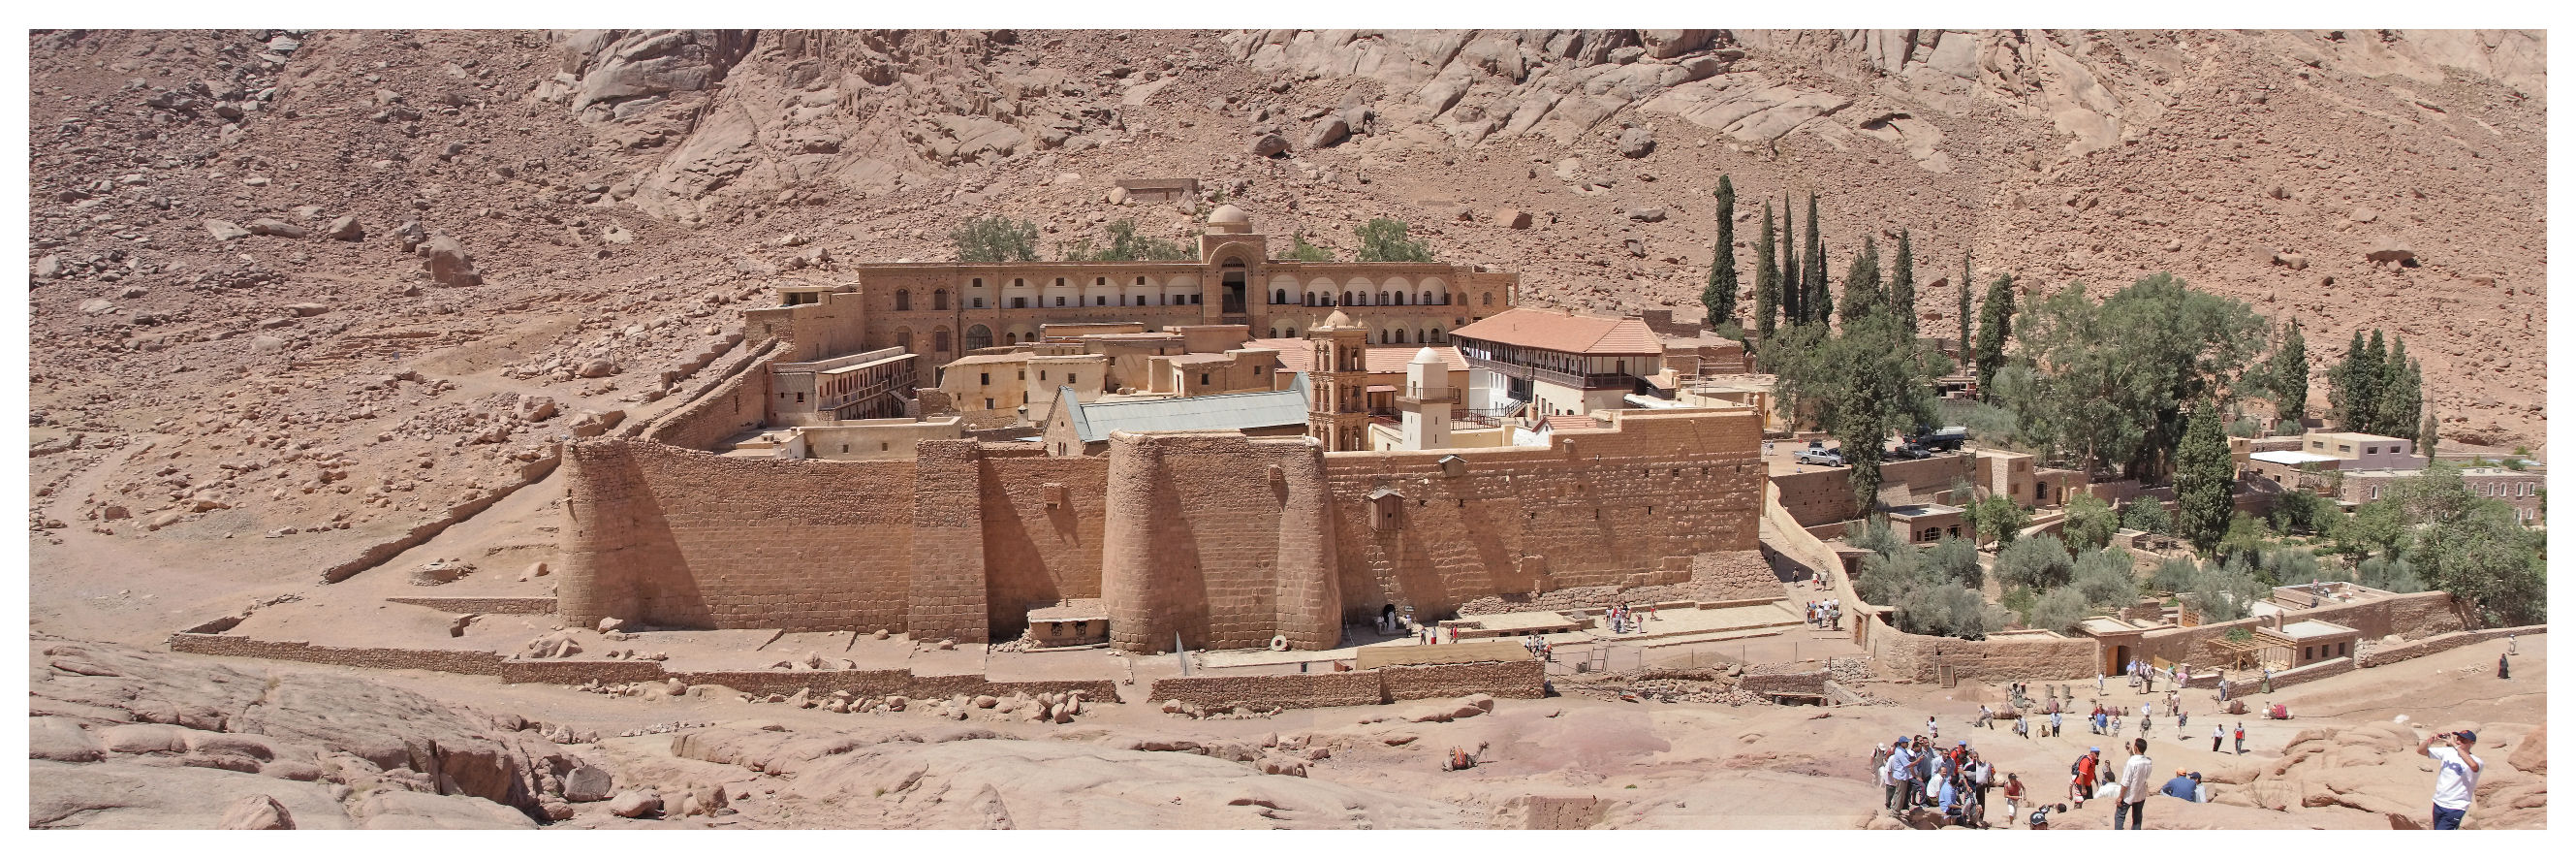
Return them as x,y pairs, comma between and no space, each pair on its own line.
2370,449
1194,298
1203,378
1041,375
979,283
1019,282
1059,301
988,402
979,302
1140,281
987,378
2307,653
1019,303
1073,378
1059,281
845,448
1024,375
1100,301
800,397
1099,281
884,446
903,299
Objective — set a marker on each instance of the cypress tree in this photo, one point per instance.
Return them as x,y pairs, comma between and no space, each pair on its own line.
2368,379
2401,402
1900,284
2290,376
2345,393
2429,435
1793,297
1862,294
1766,279
1967,321
1720,297
2203,482
1994,326
1819,301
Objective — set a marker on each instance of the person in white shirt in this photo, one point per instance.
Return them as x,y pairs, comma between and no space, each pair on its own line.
2456,779
2135,786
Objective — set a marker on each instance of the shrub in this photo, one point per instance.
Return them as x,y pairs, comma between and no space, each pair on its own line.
2089,523
2147,514
995,239
1886,578
2039,563
1949,610
2225,594
2058,610
2393,575
1299,250
1383,240
2103,577
2175,576
1998,519
1954,560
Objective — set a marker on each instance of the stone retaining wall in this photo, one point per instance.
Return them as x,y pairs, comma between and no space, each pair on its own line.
2436,644
1525,678
1292,691
1920,657
379,553
1797,683
482,605
450,661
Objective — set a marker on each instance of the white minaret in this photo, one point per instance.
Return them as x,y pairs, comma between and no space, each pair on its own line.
1426,401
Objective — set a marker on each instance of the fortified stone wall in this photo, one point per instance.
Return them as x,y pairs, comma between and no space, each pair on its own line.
673,537
482,605
1043,524
738,402
1823,496
1219,539
1600,507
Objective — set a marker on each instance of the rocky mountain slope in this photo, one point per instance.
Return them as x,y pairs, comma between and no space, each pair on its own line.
319,287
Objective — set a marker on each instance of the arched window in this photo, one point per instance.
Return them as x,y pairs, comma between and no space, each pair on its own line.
939,300
1399,335
903,339
903,299
1279,296
1489,299
979,337
1426,297
1346,296
1436,338
1292,331
1381,296
939,340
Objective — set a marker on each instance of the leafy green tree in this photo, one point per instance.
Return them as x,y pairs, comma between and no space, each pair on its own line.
1125,245
1862,293
2486,557
2104,577
1766,280
2204,481
2353,384
2394,575
1793,291
2247,537
2038,563
2090,522
2428,435
2222,594
1994,327
995,239
1900,283
2175,575
1954,560
1819,300
1948,610
2289,376
2303,512
2148,515
1383,240
1858,385
2378,528
2401,394
1301,251
1967,322
1998,518
2112,379
1719,298
1886,578
1875,535
2060,609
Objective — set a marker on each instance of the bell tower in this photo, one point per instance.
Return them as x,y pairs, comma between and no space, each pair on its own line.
1426,401
1337,411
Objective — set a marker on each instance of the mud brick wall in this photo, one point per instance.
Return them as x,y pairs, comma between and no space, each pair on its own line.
1823,496
947,597
451,661
482,605
1292,691
1219,539
1043,522
1920,657
1582,811
1798,683
2439,643
2418,615
674,537
1600,507
1525,678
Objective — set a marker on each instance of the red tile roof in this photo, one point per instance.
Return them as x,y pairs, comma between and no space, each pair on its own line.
1559,331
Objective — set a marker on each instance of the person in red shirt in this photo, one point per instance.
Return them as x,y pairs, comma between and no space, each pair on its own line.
2086,769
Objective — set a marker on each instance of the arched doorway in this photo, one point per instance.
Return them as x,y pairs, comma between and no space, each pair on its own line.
979,337
1233,277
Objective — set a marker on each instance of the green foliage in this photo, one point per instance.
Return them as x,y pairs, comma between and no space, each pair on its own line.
1994,328
2245,537
2378,528
1383,240
1719,298
2352,386
2287,377
2485,556
2429,435
2395,575
2111,379
2244,427
1766,279
1988,424
1793,292
1300,250
1125,246
1818,302
2059,609
1999,519
1876,536
1967,321
2298,511
2090,522
2223,594
1900,283
2019,601
2146,514
1887,578
2103,576
995,239
1948,610
2175,576
1930,594
2039,563
2292,566
2238,634
1857,384
1863,294
2204,481
1954,560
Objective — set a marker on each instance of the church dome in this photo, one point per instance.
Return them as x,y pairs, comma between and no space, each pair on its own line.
1337,320
1228,219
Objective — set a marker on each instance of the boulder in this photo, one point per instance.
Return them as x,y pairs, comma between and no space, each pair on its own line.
257,811
1513,218
1636,142
275,227
1647,214
225,231
2390,249
1327,131
345,228
636,803
1265,146
597,368
2531,755
448,264
410,235
1666,44
2293,260
59,738
588,784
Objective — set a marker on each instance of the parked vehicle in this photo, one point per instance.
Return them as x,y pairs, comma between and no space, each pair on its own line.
1909,451
1831,457
1945,438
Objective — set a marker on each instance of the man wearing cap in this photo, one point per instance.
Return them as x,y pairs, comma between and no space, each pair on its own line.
2183,786
2457,778
1900,776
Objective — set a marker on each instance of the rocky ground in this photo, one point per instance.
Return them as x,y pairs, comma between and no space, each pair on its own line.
297,294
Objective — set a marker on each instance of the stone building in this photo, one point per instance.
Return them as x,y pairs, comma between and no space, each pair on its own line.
2363,451
939,312
1541,362
2526,490
1078,428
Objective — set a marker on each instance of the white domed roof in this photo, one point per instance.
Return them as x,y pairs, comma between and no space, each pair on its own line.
1228,214
1337,320
1428,356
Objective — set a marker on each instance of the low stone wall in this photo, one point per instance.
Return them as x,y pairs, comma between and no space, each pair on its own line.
450,661
2446,641
1292,691
2301,674
482,605
1920,657
574,672
1525,678
1796,683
